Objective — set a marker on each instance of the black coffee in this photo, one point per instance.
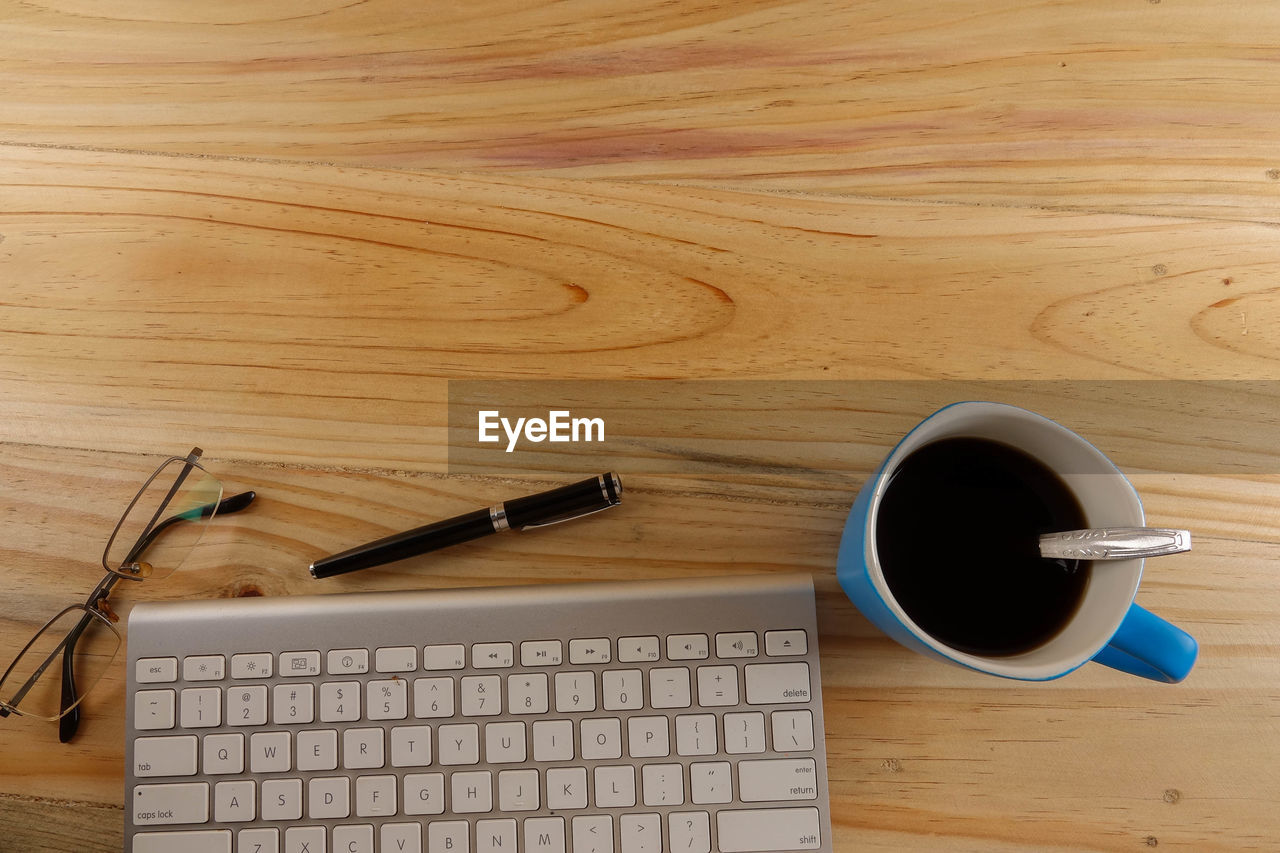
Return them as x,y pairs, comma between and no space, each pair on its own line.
957,537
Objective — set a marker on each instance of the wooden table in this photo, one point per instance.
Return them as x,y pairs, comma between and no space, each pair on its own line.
286,232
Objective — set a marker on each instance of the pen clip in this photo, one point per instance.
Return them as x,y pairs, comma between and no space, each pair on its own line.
568,517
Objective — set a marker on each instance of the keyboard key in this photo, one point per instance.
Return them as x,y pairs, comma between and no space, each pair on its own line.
662,784
781,643
270,752
575,692
471,792
592,834
293,703
401,837
247,706
318,749
164,756
339,702
304,839
553,740
496,836
775,683
669,687
527,693
362,749
640,833
432,697
200,707
638,649
648,737
739,644
375,797
696,734
767,780
282,799
717,686
347,661
481,695
258,665
589,651
544,835
153,709
615,786
687,647
203,841
622,689
518,790
387,700
233,802
493,655
448,836
155,670
504,743
353,839
328,797
541,653
744,733
396,659
424,793
299,664
459,744
689,832
204,668
567,788
709,782
792,730
762,830
223,754
411,746
154,805
444,657
258,841
601,738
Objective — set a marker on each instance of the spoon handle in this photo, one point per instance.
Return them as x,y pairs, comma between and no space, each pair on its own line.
1114,543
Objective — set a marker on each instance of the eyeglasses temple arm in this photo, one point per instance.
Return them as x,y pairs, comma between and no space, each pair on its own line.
69,722
235,503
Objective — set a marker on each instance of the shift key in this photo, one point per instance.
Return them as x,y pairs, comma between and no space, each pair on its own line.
777,683
156,805
763,830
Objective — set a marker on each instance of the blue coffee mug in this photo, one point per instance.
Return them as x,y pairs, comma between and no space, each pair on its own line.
1107,627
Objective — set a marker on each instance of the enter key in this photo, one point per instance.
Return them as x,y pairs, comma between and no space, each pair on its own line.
771,780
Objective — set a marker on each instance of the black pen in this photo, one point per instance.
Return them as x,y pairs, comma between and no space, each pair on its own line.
562,504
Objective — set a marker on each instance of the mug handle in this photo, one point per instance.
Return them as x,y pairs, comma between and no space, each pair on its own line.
1148,646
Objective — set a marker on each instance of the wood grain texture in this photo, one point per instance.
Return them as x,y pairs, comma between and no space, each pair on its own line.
1138,106
285,232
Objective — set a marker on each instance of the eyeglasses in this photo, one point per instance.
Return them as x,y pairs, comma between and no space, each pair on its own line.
163,522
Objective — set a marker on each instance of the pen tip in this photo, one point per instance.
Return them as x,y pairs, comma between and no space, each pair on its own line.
312,569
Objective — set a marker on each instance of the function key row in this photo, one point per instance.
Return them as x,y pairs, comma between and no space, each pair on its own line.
532,653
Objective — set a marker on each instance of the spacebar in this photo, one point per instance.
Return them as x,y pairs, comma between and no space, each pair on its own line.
762,830
210,841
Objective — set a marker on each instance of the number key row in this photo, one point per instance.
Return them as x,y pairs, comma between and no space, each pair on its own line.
475,696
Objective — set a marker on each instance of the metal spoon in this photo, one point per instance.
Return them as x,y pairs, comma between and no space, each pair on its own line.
1114,543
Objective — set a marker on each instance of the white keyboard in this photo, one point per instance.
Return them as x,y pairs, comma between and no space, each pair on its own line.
642,717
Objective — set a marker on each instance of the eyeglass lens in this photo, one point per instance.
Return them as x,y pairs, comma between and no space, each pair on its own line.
33,684
165,522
